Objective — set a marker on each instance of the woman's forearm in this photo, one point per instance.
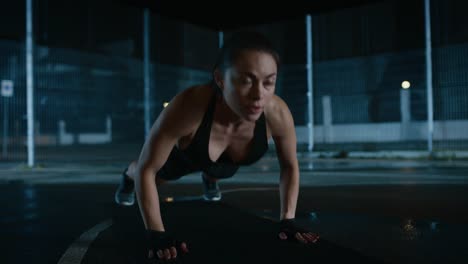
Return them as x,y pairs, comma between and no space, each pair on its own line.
148,200
289,192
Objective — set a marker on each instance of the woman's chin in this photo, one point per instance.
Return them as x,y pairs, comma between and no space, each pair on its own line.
252,117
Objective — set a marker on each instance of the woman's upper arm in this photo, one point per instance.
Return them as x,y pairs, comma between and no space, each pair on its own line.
281,124
173,123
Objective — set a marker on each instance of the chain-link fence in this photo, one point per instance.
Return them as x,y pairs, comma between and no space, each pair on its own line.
13,105
369,77
89,84
92,94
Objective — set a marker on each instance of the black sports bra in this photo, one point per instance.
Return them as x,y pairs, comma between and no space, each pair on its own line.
197,151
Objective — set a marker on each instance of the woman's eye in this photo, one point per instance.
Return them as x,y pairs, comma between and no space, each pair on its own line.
246,81
269,83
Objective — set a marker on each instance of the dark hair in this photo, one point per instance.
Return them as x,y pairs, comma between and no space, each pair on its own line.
241,41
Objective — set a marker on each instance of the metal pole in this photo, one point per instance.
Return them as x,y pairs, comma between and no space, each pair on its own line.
29,81
5,126
309,67
146,69
430,107
220,39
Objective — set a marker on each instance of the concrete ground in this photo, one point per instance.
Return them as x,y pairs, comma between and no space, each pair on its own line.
397,211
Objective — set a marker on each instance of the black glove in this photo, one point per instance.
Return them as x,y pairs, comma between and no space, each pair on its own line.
158,240
289,227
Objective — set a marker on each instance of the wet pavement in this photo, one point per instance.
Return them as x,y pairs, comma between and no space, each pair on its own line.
397,211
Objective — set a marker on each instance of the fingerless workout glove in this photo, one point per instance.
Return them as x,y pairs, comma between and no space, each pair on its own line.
289,227
158,240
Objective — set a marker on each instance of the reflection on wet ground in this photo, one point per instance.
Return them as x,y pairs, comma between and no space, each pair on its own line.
403,213
391,239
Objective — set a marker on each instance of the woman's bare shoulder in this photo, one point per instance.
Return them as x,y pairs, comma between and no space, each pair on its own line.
186,110
195,99
278,115
198,93
275,108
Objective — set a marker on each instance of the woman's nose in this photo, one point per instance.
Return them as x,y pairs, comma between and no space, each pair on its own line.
256,92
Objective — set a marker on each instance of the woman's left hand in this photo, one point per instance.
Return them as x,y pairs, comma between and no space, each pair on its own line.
290,231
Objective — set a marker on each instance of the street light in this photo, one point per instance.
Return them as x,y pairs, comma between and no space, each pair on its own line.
405,85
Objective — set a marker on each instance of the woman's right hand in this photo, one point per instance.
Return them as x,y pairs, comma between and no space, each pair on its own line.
163,246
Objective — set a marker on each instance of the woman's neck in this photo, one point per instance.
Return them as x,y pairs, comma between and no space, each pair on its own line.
227,117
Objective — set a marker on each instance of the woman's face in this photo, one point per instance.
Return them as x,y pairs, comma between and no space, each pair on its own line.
249,83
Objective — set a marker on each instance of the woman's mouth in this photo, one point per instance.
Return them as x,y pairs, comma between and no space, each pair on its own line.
255,109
